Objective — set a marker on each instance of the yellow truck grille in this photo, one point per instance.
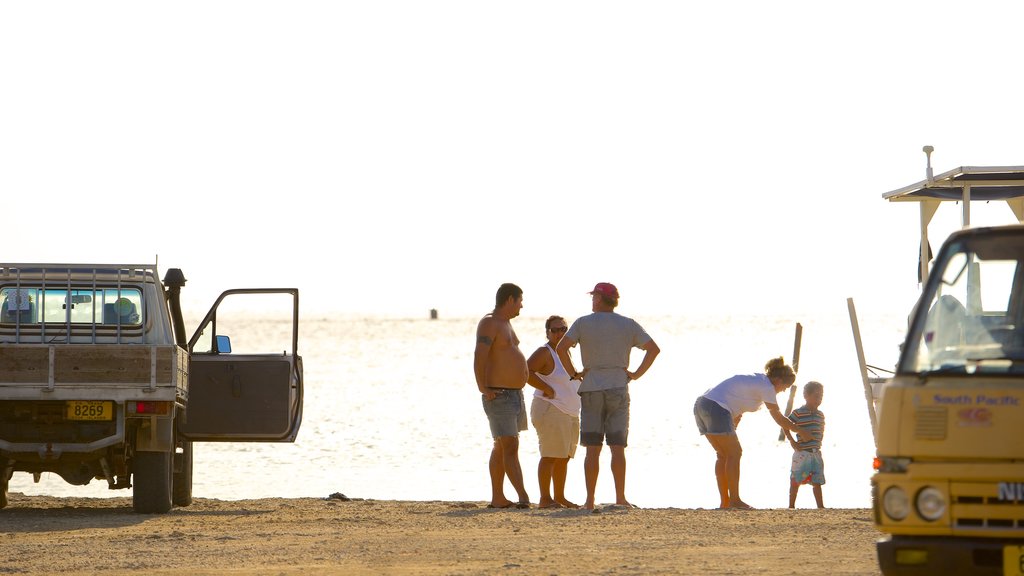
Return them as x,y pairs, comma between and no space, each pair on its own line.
978,505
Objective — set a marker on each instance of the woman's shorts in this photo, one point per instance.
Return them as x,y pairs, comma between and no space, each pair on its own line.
557,431
712,418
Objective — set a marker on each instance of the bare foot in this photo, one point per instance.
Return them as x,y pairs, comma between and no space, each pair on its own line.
501,504
624,504
740,505
566,504
545,502
589,505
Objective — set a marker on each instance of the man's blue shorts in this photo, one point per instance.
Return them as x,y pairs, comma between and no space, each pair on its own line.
506,413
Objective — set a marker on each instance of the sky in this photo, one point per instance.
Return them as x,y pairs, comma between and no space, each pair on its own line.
391,157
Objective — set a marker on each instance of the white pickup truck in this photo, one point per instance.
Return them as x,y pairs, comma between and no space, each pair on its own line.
98,379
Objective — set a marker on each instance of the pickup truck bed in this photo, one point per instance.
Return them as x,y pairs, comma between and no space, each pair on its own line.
57,370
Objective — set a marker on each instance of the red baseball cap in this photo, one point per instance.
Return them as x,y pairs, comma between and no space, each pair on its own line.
605,289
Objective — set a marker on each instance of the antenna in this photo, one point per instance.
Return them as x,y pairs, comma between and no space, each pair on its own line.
928,152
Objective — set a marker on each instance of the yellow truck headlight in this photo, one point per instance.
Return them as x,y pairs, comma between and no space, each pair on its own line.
930,503
895,503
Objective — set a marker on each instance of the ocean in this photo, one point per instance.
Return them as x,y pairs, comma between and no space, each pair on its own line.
392,412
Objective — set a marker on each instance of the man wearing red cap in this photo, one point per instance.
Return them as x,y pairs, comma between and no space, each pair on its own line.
606,339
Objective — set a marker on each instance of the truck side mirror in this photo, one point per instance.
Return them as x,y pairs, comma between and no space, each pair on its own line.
223,344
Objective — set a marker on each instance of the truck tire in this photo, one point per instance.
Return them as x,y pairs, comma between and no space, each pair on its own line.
182,490
151,482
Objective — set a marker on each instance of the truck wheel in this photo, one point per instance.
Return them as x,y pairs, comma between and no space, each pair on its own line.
182,495
151,481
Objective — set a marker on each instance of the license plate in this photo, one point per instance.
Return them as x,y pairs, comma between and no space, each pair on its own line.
1013,560
89,410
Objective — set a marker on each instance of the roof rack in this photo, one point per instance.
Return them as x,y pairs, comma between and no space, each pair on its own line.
964,184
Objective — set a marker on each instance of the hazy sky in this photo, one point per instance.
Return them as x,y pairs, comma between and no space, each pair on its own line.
391,157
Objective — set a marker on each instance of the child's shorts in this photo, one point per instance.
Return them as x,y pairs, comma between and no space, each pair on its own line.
808,468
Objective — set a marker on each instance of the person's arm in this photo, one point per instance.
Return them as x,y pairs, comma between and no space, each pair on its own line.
652,352
794,442
540,363
782,421
562,349
486,332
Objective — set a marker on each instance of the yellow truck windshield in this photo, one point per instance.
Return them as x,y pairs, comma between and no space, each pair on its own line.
973,318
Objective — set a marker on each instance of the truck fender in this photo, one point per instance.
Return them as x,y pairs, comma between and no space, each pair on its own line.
155,435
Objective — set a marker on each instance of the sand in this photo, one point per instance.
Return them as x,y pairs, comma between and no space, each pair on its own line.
44,535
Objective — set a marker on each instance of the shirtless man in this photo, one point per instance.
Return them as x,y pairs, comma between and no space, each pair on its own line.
501,374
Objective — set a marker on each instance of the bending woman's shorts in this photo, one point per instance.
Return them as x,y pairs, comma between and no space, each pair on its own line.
557,431
506,413
712,418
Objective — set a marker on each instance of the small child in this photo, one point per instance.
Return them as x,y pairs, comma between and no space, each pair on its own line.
808,466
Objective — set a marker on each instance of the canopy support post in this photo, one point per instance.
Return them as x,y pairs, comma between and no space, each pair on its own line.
869,391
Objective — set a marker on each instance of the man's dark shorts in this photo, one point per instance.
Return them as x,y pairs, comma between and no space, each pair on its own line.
604,414
506,413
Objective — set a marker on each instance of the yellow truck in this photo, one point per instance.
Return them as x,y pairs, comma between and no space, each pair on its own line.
948,491
100,381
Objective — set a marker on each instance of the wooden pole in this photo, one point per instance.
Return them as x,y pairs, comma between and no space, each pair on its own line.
796,367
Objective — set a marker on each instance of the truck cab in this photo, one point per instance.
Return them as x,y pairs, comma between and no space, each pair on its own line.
948,491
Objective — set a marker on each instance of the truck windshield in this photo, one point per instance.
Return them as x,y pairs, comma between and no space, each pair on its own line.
972,317
105,306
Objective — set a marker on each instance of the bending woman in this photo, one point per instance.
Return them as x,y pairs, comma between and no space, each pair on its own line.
718,412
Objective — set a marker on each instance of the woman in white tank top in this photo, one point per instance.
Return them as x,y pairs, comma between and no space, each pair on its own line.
555,413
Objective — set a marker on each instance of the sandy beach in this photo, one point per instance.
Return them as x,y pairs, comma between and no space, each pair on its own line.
44,535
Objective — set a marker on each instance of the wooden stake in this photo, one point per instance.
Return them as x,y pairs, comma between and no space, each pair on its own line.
796,367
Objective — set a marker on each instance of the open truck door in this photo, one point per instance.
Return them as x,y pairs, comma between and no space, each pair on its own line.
245,373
